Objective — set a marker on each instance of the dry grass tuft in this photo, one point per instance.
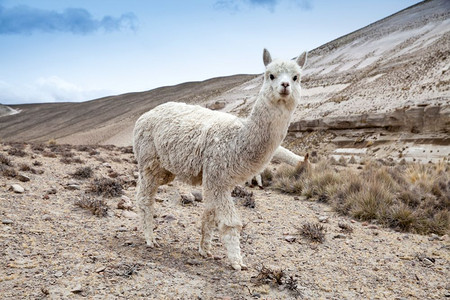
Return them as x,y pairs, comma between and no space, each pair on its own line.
313,232
97,206
408,197
278,279
5,160
106,187
83,173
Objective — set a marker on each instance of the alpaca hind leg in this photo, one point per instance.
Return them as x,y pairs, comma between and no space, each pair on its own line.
208,225
146,204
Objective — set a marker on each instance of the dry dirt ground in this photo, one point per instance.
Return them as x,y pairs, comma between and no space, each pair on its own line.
52,249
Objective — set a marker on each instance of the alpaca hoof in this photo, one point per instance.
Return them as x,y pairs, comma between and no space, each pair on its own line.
152,244
238,266
204,253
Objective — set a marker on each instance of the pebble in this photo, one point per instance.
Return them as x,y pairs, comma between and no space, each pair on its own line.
73,187
187,199
434,237
77,289
290,238
323,219
197,195
100,269
59,274
339,236
46,217
129,214
125,203
17,188
193,262
23,178
7,221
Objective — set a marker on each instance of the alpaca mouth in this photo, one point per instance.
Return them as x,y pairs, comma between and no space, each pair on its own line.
284,93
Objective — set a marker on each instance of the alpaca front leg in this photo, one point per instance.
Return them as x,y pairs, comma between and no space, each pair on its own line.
208,225
230,238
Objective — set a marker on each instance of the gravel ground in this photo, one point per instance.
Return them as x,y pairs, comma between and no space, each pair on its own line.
51,248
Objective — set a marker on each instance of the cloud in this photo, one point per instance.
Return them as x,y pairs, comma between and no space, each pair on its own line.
27,20
47,89
236,5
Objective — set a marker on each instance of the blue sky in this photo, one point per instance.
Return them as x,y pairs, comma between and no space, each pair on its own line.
77,50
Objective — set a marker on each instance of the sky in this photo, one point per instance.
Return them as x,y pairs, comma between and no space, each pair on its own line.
78,50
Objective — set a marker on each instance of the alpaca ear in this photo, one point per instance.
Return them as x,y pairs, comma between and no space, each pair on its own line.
266,57
301,60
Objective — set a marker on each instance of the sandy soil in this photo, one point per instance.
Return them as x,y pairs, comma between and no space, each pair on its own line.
53,249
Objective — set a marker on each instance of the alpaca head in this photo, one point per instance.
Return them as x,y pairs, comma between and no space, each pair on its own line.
282,79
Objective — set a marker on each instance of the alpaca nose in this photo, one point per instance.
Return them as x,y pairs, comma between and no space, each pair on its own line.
285,84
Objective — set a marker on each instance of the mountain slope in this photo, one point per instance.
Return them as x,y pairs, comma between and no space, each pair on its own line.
103,120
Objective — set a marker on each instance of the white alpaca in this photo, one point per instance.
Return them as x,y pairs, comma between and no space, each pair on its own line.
215,149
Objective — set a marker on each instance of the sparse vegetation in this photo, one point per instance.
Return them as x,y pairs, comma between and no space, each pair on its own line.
97,206
407,197
277,279
5,160
313,232
83,173
106,187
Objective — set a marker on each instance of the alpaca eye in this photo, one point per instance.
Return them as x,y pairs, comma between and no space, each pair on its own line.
295,78
271,77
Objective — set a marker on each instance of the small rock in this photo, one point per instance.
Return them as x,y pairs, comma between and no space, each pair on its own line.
7,221
339,236
129,214
77,289
125,203
296,198
135,175
159,200
23,178
187,199
197,195
290,238
51,191
169,218
323,219
106,165
73,187
46,217
444,237
58,274
193,262
100,269
372,227
17,189
434,237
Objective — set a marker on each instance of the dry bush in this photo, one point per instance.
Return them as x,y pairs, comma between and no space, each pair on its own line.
247,197
66,153
48,154
37,147
37,163
313,232
126,149
106,187
16,151
409,197
4,160
278,279
7,171
83,173
97,206
24,167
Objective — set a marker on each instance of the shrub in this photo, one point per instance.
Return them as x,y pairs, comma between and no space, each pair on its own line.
313,232
106,187
97,206
17,152
5,160
83,173
408,197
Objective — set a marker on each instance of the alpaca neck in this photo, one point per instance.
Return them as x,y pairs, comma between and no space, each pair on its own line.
265,129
